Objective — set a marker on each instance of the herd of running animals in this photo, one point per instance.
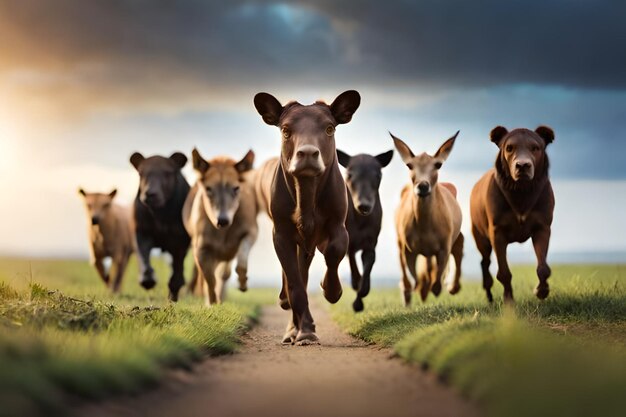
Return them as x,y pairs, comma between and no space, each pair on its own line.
312,206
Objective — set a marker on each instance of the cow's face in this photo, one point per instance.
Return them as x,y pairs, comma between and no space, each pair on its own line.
97,205
522,151
220,184
157,177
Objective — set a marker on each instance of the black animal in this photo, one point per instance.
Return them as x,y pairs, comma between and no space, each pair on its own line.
363,175
157,215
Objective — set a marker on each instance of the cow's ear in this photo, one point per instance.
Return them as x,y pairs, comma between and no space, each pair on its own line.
384,158
269,108
343,158
199,163
344,106
444,151
179,159
136,159
113,193
497,134
246,162
82,192
546,133
403,149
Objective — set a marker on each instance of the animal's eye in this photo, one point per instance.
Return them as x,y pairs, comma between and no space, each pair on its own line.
330,130
437,165
535,148
509,148
236,190
286,133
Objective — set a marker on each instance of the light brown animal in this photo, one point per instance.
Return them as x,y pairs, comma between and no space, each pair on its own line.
514,202
428,223
220,216
110,236
307,200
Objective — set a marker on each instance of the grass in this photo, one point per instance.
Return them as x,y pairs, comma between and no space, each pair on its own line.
62,335
565,356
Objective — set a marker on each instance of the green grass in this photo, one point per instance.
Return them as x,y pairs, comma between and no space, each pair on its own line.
565,356
63,335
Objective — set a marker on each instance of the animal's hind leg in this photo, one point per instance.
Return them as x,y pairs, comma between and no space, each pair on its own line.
457,252
411,263
541,240
484,247
242,260
504,272
119,267
405,284
99,265
221,278
283,299
177,280
425,276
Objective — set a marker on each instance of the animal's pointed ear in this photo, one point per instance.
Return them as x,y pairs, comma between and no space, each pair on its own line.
546,133
497,134
179,158
136,159
403,149
343,158
444,150
113,193
269,108
199,163
82,192
384,158
344,106
246,162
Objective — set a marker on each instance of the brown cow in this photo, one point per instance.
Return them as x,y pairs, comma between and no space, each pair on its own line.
514,202
110,235
220,216
307,200
428,222
365,215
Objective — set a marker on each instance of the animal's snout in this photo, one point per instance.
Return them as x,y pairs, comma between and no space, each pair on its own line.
523,165
95,220
308,151
423,188
523,169
364,208
223,220
307,161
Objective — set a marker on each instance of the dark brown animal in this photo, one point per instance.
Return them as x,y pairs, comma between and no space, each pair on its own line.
307,200
365,214
514,202
157,215
428,223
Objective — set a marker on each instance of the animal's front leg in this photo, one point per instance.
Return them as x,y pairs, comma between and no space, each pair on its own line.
457,251
354,270
242,260
99,265
177,280
286,250
541,240
442,262
145,244
334,250
405,285
206,270
368,257
504,273
119,266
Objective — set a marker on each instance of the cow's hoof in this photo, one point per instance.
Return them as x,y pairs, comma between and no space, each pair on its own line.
284,304
305,338
406,296
436,288
542,291
357,306
147,283
173,297
332,295
243,287
289,338
454,288
489,296
423,290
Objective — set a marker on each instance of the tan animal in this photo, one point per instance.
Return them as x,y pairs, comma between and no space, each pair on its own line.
307,200
428,222
110,236
514,202
220,216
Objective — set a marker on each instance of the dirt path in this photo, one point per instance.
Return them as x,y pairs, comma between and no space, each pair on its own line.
341,377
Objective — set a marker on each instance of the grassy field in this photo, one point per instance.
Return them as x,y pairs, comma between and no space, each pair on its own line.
565,356
63,336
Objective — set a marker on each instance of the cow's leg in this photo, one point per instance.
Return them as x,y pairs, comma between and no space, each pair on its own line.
484,247
242,260
355,275
221,279
405,284
541,240
206,270
457,251
177,280
334,251
368,257
100,269
119,262
437,275
145,243
286,250
504,273
283,298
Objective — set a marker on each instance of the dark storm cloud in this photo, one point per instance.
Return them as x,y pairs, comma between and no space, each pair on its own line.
449,43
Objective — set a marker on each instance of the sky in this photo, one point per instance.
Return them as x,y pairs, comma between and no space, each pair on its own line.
85,84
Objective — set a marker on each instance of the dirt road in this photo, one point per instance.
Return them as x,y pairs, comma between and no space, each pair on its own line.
342,377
